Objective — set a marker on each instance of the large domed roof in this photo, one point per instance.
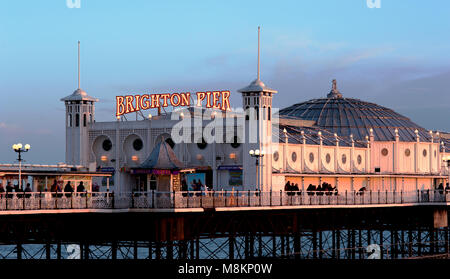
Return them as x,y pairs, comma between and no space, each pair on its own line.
346,116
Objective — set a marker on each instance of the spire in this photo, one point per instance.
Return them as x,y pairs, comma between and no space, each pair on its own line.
78,64
258,53
79,94
257,85
334,93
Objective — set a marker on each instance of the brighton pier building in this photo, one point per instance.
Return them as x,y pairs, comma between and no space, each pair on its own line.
345,142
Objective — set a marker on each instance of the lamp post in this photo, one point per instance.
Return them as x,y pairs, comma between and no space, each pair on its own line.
18,148
257,154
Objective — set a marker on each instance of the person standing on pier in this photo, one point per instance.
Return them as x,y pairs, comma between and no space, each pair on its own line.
80,188
28,190
68,189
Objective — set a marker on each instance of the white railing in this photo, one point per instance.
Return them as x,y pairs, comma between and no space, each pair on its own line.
212,199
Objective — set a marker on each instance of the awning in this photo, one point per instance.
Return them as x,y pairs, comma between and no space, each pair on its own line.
229,167
162,157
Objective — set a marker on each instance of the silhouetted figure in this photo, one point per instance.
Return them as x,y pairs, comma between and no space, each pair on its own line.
28,190
68,189
361,191
81,189
9,189
310,190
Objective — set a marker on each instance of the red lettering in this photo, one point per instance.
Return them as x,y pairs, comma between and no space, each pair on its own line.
129,104
208,100
155,101
200,97
165,97
144,100
216,98
172,98
120,107
186,99
226,100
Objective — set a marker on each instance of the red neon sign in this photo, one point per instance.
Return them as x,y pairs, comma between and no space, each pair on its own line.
129,103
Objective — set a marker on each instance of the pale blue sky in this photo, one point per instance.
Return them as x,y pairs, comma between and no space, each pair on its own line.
396,56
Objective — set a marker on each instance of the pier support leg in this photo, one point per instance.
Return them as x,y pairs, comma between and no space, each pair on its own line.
274,246
297,246
58,250
381,245
114,249
314,242
231,247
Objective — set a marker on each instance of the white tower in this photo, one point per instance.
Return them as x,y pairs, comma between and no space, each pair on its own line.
80,111
257,102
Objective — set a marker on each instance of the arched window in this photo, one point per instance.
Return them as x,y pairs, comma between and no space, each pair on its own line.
264,113
247,113
84,120
268,113
69,123
257,112
77,120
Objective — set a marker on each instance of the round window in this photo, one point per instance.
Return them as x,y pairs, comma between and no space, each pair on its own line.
202,145
407,152
344,159
276,156
424,153
294,156
359,159
235,143
311,157
107,145
328,158
137,144
384,152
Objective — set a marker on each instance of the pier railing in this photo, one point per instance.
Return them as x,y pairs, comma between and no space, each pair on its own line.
213,199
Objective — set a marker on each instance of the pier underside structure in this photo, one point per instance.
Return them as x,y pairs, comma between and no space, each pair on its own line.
337,233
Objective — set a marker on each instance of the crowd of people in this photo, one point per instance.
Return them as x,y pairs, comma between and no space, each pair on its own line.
321,189
54,188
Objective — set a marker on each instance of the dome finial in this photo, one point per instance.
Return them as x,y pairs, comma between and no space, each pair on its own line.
334,93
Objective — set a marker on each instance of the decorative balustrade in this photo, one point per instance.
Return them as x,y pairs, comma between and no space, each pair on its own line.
213,199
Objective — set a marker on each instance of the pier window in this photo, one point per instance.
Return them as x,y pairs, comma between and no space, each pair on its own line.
77,120
107,145
137,144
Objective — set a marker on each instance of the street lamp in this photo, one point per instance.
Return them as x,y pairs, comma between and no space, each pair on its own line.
18,148
257,154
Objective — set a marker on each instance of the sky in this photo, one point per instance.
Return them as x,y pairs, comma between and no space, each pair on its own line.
396,56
